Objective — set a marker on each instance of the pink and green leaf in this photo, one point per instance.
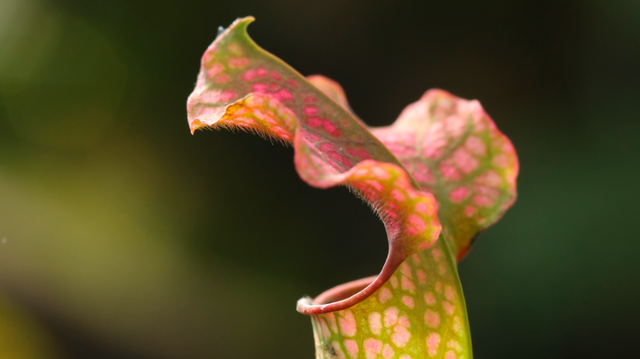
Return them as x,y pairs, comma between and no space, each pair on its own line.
414,308
418,313
455,151
243,86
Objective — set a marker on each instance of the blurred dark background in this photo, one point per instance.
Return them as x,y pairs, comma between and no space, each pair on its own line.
123,236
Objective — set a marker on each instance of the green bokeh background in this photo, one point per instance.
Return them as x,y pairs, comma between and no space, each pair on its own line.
123,236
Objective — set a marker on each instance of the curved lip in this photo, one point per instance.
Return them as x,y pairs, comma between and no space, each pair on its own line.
319,305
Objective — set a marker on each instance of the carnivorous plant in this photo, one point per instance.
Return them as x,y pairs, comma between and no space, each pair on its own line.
438,176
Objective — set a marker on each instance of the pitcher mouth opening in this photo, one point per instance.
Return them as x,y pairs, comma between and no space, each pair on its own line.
343,291
349,294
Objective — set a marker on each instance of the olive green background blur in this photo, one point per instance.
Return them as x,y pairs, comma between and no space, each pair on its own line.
124,236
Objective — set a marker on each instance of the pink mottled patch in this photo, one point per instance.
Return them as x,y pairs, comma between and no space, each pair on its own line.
442,268
422,276
347,324
391,316
362,172
248,75
450,355
459,194
309,99
465,161
310,110
398,196
211,97
387,351
209,55
372,347
408,301
450,293
275,76
401,150
259,87
380,173
407,284
401,336
416,259
487,191
375,323
394,282
438,287
433,342
453,344
455,125
222,78
352,347
314,122
327,147
448,307
285,95
482,200
469,211
423,208
432,318
434,141
405,269
238,62
449,172
379,187
416,225
384,295
429,298
457,325
213,70
436,254
261,72
475,145
312,136
292,83
501,160
330,128
360,153
490,178
406,356
507,146
228,95
422,174
235,48
335,155
404,321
